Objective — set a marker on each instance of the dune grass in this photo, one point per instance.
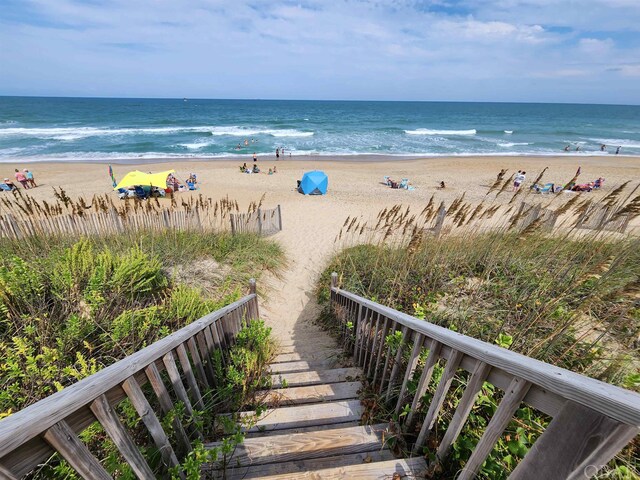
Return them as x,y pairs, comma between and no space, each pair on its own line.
70,307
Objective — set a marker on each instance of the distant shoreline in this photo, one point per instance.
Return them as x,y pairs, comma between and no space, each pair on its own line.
357,158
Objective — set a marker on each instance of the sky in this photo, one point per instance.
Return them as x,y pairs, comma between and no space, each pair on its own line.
582,51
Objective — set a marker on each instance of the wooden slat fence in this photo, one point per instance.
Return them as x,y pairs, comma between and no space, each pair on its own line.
262,221
603,217
592,420
544,217
30,436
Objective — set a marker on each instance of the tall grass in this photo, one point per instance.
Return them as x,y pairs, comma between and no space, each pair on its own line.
69,308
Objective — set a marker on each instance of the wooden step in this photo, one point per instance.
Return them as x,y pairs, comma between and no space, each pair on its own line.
315,377
409,468
308,445
301,466
315,428
302,366
326,392
310,356
307,415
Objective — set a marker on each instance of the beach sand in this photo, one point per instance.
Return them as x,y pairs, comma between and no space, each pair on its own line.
310,223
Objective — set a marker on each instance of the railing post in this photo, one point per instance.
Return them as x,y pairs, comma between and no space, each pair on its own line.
279,218
255,312
334,280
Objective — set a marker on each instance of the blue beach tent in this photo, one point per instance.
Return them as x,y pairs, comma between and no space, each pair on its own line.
314,183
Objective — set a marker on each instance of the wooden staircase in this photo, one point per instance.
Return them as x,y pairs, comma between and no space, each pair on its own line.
312,429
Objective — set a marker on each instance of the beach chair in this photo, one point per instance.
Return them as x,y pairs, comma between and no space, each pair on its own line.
387,181
547,188
5,187
141,193
405,184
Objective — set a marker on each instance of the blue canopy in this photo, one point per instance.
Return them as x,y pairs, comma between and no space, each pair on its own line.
314,183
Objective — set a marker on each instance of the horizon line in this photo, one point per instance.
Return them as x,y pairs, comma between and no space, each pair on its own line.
96,97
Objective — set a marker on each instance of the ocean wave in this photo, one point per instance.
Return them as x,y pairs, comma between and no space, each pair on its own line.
512,144
194,146
248,132
508,132
617,142
76,133
427,131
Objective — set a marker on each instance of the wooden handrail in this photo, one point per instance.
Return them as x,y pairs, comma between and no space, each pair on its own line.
40,419
591,420
615,402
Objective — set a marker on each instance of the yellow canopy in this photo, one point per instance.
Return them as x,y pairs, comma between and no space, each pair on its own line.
144,179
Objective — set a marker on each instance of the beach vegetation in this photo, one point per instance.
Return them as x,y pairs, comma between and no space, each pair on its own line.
568,297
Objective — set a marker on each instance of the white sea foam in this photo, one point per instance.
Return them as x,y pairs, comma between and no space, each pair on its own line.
194,146
617,142
427,131
512,144
508,132
235,131
75,133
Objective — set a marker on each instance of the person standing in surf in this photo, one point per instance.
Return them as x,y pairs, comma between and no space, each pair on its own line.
277,153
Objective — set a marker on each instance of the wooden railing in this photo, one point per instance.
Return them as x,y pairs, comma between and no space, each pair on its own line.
30,436
591,420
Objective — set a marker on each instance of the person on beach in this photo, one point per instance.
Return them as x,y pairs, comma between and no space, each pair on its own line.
618,150
277,153
22,178
10,184
442,185
566,149
270,171
519,180
603,147
503,171
255,157
578,148
30,180
274,169
246,142
238,147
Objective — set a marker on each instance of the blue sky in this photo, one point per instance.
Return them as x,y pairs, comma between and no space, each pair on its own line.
584,51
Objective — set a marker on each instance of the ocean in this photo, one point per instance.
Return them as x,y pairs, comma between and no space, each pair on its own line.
101,129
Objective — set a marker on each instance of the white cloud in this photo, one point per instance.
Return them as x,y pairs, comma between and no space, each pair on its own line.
259,48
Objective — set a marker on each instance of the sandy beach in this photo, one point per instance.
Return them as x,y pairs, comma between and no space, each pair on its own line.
310,223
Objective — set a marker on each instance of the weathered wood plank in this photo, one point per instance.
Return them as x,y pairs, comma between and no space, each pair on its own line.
383,334
167,406
438,400
76,453
616,402
176,381
387,360
480,374
315,377
121,438
576,444
307,445
141,405
198,363
311,394
302,466
425,378
301,366
368,360
191,379
411,367
397,363
508,406
282,418
6,474
409,468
